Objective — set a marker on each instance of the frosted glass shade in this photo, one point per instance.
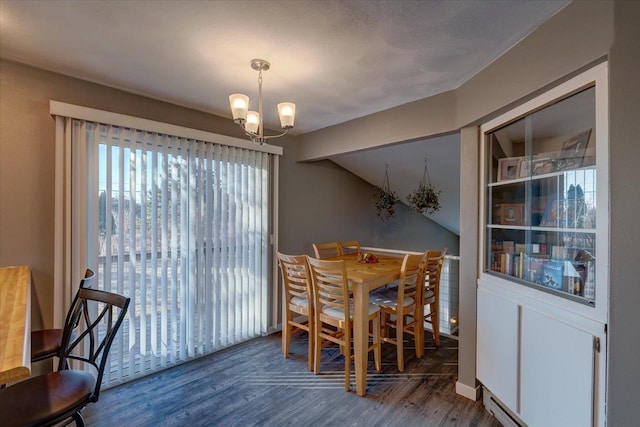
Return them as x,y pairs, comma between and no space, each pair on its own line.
253,120
287,113
239,106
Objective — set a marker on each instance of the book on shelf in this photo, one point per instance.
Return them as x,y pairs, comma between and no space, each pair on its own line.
533,268
508,246
573,277
552,274
590,281
559,252
520,247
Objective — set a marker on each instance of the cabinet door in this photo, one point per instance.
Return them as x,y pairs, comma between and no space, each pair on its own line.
497,346
557,372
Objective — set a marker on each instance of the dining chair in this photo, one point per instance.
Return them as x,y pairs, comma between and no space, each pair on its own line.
434,260
333,311
57,396
402,303
45,343
327,250
349,248
297,302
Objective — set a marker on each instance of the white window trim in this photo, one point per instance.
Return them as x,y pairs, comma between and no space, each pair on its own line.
57,108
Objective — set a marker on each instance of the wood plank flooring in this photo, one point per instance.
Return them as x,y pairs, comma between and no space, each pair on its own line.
252,384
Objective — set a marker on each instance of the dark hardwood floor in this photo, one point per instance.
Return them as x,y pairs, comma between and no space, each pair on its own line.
252,384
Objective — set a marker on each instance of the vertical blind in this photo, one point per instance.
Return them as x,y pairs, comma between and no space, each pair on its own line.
181,226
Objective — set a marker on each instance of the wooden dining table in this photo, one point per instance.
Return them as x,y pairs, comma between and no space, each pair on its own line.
366,278
15,323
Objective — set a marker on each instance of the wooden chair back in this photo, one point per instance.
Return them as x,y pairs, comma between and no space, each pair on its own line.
330,287
327,250
350,248
411,275
295,278
433,262
298,299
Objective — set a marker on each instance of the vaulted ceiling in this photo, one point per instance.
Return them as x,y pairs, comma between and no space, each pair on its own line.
337,60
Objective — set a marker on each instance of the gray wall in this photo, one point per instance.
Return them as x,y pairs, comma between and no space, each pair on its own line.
624,172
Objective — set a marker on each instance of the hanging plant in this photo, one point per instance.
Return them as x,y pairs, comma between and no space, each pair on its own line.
426,199
384,199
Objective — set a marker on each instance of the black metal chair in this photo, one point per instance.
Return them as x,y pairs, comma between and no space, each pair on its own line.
57,396
45,343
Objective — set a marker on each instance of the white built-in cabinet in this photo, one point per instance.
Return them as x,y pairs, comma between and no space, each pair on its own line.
543,269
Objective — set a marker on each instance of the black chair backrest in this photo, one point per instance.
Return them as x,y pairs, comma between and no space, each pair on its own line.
100,315
87,281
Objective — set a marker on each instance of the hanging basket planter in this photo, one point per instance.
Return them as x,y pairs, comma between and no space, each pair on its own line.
384,200
426,199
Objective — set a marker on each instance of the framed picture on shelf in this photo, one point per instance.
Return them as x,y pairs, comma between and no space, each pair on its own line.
511,213
555,213
509,168
525,168
573,150
543,163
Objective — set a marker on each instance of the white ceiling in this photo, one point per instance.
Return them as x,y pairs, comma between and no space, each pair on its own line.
337,60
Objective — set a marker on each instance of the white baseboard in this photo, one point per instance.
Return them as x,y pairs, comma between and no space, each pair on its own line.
464,390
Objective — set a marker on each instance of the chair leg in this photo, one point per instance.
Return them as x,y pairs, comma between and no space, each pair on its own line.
377,350
418,331
400,341
347,362
78,419
385,324
435,323
310,352
286,337
318,345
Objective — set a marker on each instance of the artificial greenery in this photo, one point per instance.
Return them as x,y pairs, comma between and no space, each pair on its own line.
384,199
384,202
426,199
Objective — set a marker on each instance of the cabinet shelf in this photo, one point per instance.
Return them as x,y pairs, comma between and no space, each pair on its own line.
539,177
538,228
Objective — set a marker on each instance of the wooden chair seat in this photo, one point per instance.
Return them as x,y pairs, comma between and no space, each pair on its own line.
31,402
338,312
45,343
389,298
300,302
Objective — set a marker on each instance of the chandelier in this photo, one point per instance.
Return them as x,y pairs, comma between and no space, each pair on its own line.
252,121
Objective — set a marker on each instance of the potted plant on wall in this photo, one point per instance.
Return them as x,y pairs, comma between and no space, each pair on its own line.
425,199
384,200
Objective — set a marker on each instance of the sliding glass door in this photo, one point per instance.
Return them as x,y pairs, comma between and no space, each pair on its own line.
182,227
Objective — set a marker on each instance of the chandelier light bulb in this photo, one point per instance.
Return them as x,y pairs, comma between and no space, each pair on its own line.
287,113
239,106
253,120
